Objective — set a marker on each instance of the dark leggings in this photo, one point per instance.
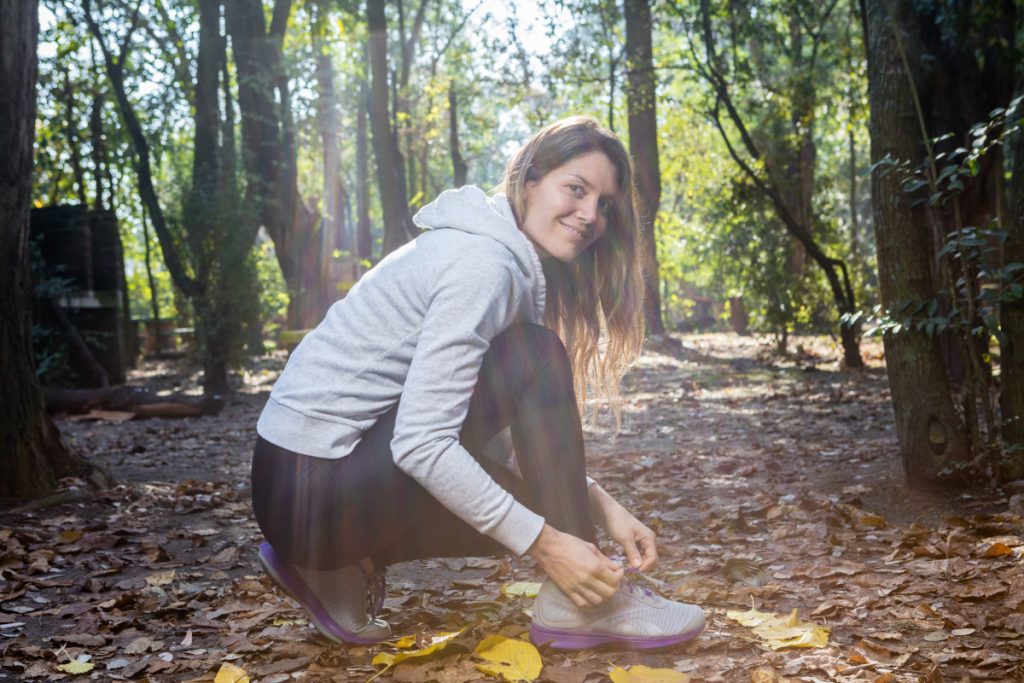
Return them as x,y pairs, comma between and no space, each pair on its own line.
321,513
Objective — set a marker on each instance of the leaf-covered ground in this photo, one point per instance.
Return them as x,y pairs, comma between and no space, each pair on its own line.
773,485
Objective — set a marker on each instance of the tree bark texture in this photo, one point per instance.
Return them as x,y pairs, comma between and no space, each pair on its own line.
641,87
929,432
459,168
269,157
33,457
390,172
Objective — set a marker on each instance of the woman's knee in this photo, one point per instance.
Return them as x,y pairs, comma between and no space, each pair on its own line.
530,340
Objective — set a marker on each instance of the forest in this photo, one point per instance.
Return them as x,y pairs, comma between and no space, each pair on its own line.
826,424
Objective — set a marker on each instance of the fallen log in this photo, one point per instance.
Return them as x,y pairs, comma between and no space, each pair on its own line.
127,399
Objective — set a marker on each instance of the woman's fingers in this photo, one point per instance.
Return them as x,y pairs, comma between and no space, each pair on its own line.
633,554
649,550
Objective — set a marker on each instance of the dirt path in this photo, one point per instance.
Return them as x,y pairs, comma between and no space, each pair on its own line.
774,484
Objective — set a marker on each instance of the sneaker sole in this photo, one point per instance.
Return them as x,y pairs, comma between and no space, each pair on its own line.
559,639
292,584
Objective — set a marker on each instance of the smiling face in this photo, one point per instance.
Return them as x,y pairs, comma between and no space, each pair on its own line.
568,209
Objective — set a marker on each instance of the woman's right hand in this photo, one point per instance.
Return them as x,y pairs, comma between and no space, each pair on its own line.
577,567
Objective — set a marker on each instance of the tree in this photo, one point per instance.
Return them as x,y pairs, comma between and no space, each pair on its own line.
641,97
781,161
209,263
929,433
34,455
398,228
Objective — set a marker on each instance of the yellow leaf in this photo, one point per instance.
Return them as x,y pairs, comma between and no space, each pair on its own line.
644,674
510,658
437,643
229,673
76,667
526,589
405,642
778,631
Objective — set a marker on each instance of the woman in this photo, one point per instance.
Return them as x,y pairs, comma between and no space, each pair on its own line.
370,448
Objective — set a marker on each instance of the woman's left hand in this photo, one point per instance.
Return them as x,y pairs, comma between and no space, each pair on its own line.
635,537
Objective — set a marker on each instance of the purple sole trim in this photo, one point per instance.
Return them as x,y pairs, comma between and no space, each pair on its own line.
559,639
292,584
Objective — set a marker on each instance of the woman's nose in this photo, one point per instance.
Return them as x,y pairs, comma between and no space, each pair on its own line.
587,210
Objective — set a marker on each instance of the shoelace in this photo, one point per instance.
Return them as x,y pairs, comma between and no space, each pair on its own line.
376,590
633,586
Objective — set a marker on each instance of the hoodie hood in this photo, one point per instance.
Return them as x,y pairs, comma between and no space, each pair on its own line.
471,210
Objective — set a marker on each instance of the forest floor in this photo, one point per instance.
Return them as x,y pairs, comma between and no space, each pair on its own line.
772,483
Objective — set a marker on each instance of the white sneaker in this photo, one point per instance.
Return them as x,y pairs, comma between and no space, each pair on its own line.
635,618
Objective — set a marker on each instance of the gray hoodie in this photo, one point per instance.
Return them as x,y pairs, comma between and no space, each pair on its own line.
416,327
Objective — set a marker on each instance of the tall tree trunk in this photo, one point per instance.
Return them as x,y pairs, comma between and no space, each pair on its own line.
154,295
326,109
459,168
641,86
269,157
364,240
390,171
332,230
215,326
98,147
34,457
1011,398
929,432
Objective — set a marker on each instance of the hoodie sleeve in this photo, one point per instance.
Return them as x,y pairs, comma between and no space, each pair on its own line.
471,303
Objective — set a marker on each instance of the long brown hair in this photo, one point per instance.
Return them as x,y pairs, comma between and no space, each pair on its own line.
602,289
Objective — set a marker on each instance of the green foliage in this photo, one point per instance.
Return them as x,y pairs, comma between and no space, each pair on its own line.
49,345
273,292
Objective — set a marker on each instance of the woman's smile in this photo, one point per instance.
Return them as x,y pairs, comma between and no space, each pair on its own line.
567,209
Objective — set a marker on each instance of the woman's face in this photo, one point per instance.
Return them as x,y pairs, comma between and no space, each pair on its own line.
567,210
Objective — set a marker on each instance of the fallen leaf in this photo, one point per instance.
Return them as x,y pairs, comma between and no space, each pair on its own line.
510,658
229,673
779,631
997,550
161,578
764,674
645,674
389,660
72,535
406,642
525,589
76,667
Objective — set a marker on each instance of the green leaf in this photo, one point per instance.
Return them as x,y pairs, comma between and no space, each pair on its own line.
913,184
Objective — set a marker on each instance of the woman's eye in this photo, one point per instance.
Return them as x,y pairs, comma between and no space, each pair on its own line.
575,189
604,206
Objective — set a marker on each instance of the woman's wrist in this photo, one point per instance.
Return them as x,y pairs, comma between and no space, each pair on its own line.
602,505
539,549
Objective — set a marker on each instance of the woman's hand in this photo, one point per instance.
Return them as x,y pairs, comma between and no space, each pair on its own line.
577,567
635,537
